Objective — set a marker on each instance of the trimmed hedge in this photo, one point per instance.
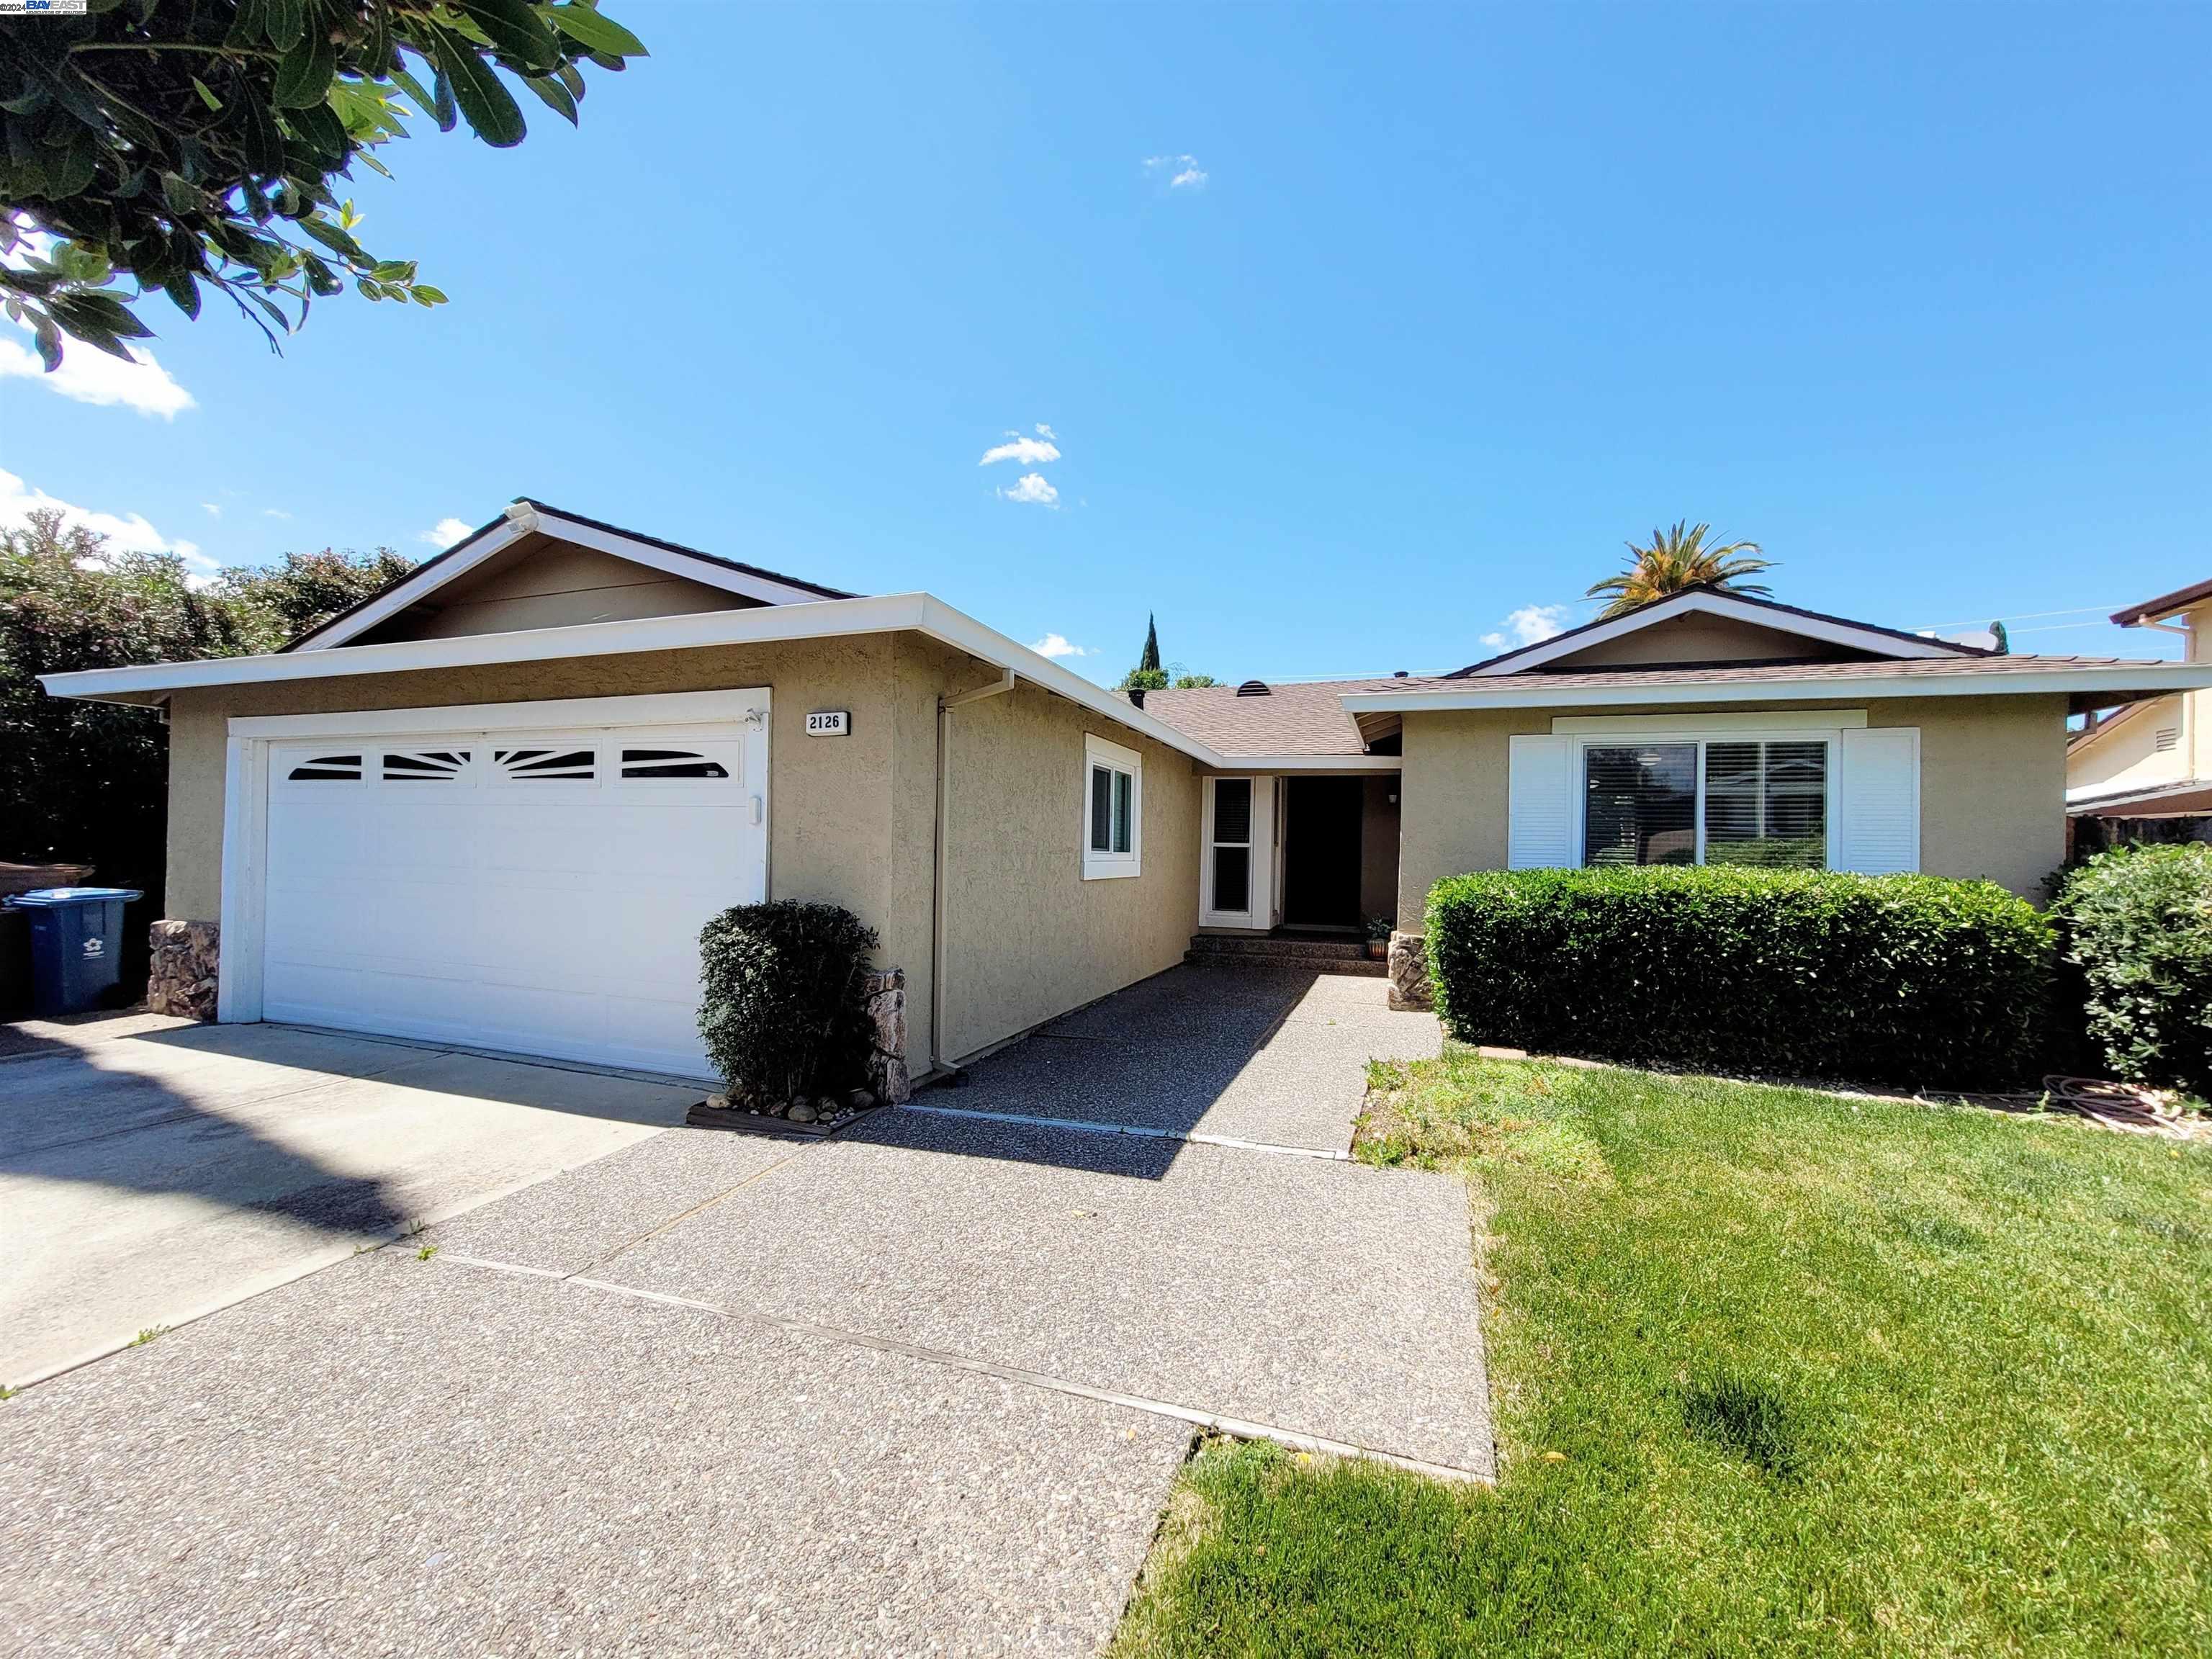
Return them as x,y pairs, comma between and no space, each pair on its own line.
1890,979
784,999
2136,926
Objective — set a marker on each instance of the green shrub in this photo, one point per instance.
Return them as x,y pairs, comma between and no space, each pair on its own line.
2136,926
1896,979
784,1003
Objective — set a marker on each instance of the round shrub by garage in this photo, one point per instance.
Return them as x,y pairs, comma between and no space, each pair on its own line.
1800,973
783,1008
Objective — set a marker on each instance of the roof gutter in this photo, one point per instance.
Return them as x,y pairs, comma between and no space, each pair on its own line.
2150,677
817,619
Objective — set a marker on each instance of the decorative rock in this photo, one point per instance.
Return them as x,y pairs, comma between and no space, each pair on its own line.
801,1113
888,1078
719,1103
1409,972
860,1100
182,979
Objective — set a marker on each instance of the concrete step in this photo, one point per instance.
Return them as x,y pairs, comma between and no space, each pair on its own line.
1230,944
1299,955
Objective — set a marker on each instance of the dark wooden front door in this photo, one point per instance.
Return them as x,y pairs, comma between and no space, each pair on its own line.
1321,852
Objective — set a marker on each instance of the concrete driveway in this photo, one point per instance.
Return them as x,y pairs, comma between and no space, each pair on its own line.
922,1386
153,1169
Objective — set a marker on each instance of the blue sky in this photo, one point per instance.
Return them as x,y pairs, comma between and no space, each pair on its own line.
1357,330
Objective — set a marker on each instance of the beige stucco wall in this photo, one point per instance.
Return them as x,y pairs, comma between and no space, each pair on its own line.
2127,757
839,807
1026,936
852,820
543,582
1992,788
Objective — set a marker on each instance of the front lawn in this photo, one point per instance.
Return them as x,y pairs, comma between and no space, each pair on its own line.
1775,1372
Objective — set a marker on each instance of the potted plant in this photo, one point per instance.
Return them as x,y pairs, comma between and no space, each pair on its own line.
1379,929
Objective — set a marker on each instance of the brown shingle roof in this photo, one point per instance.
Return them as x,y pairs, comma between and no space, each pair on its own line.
1300,718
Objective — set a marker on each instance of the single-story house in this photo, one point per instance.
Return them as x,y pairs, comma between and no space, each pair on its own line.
494,804
2151,758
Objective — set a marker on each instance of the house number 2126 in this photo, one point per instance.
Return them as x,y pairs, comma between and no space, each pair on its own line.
830,723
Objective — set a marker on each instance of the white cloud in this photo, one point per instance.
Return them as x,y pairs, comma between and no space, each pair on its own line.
1032,490
1044,431
214,509
132,534
1027,450
444,532
1182,171
91,376
1056,645
273,512
1526,626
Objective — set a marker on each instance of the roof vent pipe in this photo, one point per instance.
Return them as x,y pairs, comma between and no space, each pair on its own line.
1137,696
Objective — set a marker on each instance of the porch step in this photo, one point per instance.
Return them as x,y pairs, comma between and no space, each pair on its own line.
1323,955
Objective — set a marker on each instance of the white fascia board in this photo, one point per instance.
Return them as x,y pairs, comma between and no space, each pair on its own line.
432,576
1715,604
1255,765
2144,677
818,619
523,521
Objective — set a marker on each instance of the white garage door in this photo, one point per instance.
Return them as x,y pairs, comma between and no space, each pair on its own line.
536,891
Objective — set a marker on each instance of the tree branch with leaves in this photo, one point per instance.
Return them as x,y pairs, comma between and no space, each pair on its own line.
195,144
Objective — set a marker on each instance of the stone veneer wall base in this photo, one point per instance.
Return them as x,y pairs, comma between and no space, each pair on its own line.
1409,973
187,960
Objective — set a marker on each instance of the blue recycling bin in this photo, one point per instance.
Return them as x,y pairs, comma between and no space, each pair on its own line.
76,944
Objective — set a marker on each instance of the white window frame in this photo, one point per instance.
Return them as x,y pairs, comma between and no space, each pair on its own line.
1581,742
1111,866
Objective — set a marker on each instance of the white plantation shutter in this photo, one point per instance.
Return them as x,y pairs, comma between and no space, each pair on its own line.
1878,800
1539,803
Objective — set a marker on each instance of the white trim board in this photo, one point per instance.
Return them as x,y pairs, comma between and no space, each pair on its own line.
920,613
523,519
1550,692
1831,631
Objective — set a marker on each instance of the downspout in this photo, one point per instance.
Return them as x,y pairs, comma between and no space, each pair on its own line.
944,707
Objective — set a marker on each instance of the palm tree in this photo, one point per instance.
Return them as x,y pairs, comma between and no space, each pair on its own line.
1677,559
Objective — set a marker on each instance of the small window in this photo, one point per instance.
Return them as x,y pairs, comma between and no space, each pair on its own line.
327,769
528,765
424,766
1113,810
670,763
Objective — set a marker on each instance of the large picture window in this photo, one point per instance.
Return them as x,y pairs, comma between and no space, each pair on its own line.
1113,813
1720,801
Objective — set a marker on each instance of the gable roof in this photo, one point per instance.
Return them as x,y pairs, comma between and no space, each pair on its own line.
1894,643
526,516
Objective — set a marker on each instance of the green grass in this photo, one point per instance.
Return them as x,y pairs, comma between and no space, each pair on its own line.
1775,1372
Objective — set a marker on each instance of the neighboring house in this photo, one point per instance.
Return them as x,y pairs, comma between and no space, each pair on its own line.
494,804
2151,759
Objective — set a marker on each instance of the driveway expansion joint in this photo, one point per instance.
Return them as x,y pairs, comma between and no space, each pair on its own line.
1146,1132
1197,1417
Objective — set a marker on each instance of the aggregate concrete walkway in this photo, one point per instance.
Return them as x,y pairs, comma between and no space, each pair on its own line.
922,1386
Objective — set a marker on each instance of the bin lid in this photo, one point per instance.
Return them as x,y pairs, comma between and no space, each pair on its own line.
53,896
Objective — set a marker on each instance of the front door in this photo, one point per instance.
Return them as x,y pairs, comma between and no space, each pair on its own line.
1321,852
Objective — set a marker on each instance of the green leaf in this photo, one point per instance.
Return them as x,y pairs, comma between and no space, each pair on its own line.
489,107
554,96
287,22
303,76
426,295
49,338
595,31
185,291
514,29
206,96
